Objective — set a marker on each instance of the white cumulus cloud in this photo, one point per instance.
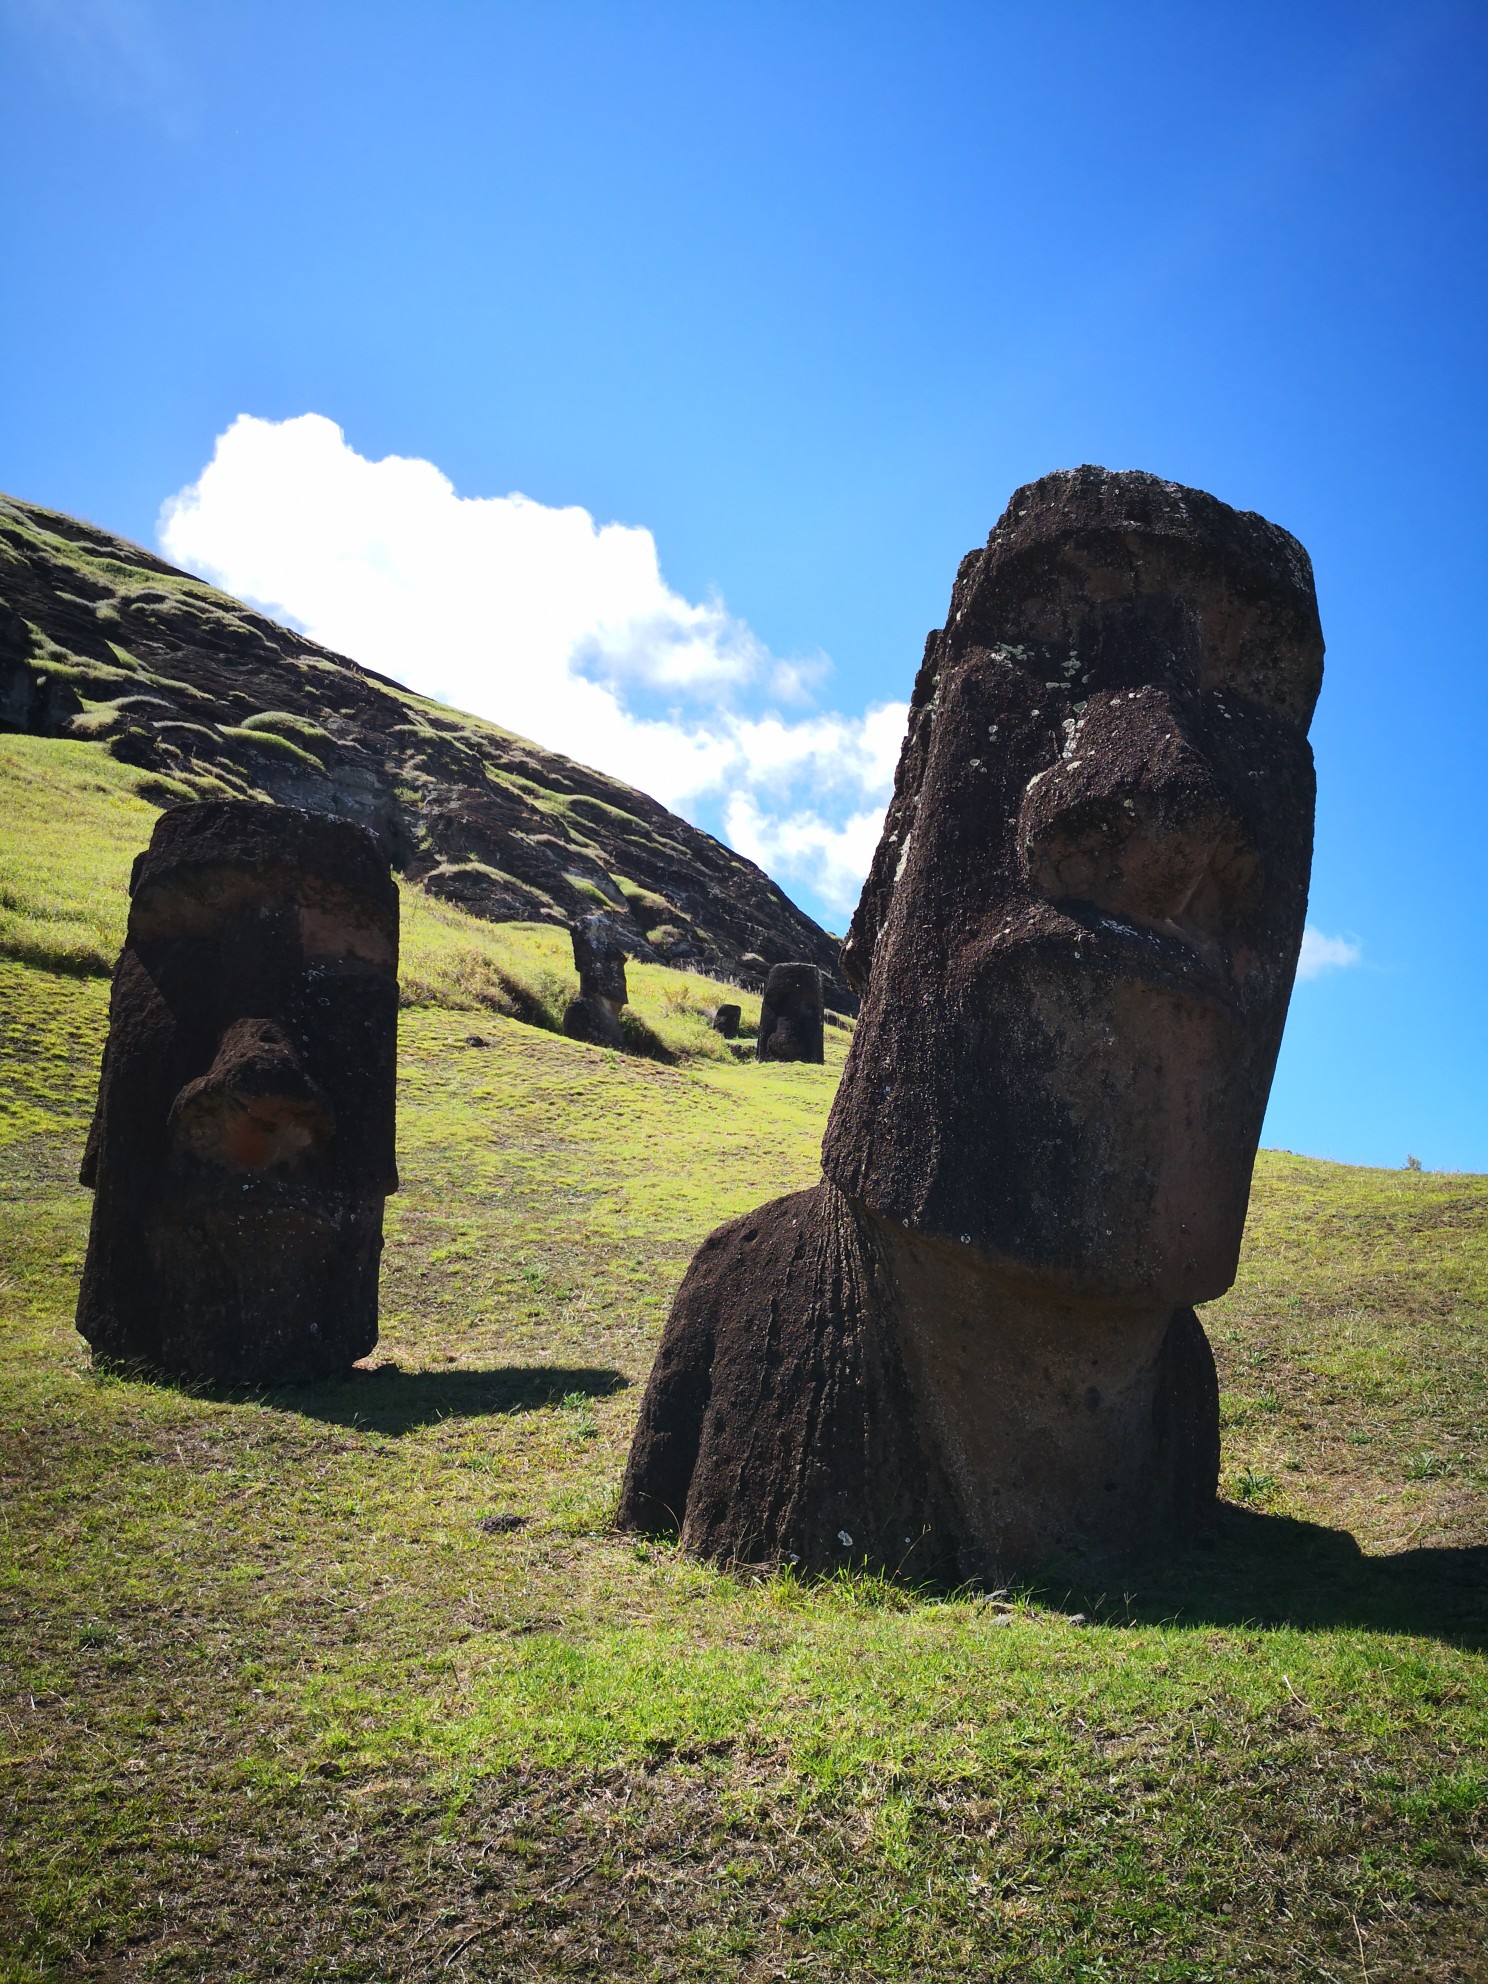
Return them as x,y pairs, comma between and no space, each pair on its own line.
1322,953
550,624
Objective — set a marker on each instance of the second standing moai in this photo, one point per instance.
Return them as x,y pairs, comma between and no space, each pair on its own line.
242,1145
791,1015
599,959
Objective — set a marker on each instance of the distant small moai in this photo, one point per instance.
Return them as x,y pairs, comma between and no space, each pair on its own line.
726,1021
599,953
242,1145
791,1017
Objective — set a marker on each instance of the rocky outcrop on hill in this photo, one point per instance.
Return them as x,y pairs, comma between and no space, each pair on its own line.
102,641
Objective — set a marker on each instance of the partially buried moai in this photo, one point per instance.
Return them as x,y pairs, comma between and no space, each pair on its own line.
971,1350
242,1145
599,953
791,1020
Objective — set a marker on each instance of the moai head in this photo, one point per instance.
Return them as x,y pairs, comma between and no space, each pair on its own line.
599,959
1078,938
243,1140
726,1021
791,1020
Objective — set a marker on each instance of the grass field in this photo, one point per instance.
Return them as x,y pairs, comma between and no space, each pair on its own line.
277,1705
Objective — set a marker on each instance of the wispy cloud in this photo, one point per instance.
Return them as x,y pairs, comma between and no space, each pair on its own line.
1322,953
552,624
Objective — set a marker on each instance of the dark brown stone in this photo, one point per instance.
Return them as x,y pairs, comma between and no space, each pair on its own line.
791,1017
726,1021
599,950
1076,944
243,1141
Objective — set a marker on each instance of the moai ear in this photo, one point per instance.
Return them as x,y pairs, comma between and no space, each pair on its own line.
255,1109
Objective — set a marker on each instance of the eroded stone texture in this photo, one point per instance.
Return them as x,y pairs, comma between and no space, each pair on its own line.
243,1141
599,951
726,1020
791,1018
972,1348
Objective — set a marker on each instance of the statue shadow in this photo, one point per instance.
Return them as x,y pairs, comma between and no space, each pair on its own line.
1261,1570
388,1400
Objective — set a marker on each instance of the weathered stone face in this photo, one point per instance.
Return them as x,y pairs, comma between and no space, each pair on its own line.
1084,916
971,1348
243,1141
726,1021
791,1016
599,958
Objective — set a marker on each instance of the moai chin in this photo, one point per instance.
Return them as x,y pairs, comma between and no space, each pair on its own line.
242,1145
599,959
972,1348
791,1020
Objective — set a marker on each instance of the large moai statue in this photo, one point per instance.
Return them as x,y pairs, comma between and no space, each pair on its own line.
971,1350
791,1018
242,1145
599,958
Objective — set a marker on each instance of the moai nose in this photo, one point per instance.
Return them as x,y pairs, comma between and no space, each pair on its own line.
1132,820
255,1108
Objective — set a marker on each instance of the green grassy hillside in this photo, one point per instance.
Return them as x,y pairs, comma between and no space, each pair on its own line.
102,641
276,1705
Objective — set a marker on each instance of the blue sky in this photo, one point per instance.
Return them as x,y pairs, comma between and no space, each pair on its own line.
797,294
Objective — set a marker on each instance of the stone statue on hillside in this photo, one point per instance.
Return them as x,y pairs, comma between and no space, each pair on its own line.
599,952
726,1021
971,1349
791,1020
242,1145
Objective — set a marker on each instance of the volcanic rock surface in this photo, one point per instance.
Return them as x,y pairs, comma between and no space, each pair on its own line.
971,1350
242,1144
101,640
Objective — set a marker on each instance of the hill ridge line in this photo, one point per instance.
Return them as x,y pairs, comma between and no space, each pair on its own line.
106,643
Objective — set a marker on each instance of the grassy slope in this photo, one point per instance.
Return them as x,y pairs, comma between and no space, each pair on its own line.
605,820
275,1704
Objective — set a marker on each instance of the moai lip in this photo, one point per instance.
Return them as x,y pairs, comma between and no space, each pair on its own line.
791,1015
972,1348
243,1142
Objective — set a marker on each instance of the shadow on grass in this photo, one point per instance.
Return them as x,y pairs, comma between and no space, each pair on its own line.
1263,1570
1248,1570
387,1400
